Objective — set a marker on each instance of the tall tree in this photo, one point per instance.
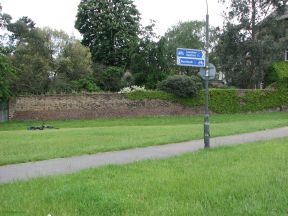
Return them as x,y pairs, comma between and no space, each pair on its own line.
190,34
109,29
78,58
231,51
247,17
149,62
32,57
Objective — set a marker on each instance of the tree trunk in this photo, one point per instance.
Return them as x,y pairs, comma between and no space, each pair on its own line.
253,71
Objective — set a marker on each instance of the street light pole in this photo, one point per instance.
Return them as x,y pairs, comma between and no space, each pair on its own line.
206,117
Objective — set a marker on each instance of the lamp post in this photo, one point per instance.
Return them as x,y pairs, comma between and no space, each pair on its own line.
206,115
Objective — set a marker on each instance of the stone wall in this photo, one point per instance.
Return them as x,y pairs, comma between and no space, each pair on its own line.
91,106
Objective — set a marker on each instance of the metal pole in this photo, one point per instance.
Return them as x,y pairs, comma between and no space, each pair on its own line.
206,117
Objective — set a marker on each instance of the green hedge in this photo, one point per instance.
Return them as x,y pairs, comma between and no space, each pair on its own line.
225,100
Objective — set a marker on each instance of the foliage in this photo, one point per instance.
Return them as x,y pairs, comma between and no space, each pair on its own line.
109,28
111,79
84,84
5,19
149,63
277,72
32,57
260,99
190,34
225,100
48,60
249,41
127,79
80,59
230,50
180,85
7,78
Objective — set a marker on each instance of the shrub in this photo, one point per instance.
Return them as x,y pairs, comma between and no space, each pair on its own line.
277,72
84,85
180,85
111,79
127,79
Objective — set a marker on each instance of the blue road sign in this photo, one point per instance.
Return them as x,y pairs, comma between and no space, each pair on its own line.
190,57
191,53
191,62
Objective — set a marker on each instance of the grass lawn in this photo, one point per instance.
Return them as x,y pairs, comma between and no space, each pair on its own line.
76,137
250,179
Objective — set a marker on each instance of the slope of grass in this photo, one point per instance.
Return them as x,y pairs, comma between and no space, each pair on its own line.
88,136
249,179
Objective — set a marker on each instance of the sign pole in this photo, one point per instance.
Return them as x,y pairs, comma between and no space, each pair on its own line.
206,116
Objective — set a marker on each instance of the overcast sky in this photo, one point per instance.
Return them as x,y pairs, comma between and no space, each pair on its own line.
61,14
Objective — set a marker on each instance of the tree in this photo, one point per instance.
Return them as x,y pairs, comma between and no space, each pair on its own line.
75,61
244,23
111,79
189,34
32,57
5,20
73,69
7,77
149,58
71,65
231,51
109,29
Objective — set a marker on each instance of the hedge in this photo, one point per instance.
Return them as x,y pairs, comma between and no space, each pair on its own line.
225,100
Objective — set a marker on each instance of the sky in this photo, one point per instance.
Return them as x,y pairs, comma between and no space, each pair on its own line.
61,14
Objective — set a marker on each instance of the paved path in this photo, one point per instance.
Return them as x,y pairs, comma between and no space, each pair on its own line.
72,164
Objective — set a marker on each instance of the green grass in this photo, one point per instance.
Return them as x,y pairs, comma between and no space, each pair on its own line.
250,179
78,137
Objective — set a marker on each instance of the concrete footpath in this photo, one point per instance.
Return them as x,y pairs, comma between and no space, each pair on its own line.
24,171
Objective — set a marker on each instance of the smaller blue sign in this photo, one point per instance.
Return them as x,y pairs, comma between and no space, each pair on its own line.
191,62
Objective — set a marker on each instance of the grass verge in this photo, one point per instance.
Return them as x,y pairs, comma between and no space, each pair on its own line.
78,137
248,179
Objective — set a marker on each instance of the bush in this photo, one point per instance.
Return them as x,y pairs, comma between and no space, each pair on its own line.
111,79
127,79
84,85
276,73
180,85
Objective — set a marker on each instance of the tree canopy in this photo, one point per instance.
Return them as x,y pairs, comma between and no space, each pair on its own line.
110,29
244,23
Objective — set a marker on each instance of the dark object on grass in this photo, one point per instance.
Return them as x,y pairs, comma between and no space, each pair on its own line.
42,127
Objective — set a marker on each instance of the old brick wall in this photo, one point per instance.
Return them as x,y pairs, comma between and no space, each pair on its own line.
91,106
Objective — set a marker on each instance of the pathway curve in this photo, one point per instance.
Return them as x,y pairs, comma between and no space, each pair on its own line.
29,170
